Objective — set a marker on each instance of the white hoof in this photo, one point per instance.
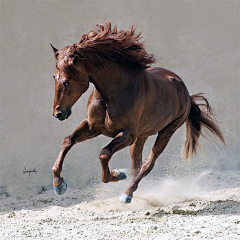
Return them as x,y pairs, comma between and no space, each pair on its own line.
121,175
125,198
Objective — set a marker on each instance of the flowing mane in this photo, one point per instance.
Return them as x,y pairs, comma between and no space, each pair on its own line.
120,46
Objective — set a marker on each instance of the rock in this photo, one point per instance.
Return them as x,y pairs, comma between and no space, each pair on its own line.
11,215
163,219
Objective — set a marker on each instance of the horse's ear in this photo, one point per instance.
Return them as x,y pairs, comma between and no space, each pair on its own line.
54,50
74,60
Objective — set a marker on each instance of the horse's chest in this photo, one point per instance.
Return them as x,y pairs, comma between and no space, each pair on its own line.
108,119
113,124
104,123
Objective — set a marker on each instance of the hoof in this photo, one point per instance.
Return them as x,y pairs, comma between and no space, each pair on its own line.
61,189
125,198
121,175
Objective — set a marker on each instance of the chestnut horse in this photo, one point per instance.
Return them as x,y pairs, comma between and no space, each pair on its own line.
130,102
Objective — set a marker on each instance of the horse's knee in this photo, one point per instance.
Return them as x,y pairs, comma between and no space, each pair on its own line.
67,143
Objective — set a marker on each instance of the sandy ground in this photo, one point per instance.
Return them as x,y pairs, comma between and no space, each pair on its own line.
204,206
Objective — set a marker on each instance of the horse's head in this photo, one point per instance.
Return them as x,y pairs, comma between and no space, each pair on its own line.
71,81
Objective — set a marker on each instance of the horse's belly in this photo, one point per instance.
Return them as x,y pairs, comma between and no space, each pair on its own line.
152,124
159,115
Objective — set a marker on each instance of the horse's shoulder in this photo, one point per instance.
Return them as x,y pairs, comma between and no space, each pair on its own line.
96,108
95,98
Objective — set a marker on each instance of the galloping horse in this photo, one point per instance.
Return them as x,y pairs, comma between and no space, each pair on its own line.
130,102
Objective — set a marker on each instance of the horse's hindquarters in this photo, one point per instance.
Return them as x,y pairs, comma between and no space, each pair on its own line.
167,98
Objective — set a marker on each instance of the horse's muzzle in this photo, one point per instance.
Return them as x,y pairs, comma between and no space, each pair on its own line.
62,116
59,115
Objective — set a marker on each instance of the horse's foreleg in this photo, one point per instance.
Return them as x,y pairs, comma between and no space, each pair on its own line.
160,144
136,155
122,140
81,133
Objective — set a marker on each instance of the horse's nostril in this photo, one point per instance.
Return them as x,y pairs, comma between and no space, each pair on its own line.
59,115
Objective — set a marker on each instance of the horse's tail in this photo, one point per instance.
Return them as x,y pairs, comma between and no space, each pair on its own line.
201,115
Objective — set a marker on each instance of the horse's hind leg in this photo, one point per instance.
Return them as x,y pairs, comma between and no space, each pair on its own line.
136,155
160,144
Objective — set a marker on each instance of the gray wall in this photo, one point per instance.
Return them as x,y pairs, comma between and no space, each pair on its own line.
199,40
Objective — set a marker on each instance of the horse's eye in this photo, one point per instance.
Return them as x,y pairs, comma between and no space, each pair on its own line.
66,84
54,76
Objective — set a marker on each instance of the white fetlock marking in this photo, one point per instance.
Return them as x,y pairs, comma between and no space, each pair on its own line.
125,198
121,175
116,170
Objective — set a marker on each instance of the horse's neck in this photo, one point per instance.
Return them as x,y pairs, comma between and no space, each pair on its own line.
112,81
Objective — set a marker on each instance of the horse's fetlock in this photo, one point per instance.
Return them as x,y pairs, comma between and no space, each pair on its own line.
55,170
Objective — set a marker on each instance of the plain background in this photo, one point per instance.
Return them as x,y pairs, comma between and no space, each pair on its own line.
198,40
